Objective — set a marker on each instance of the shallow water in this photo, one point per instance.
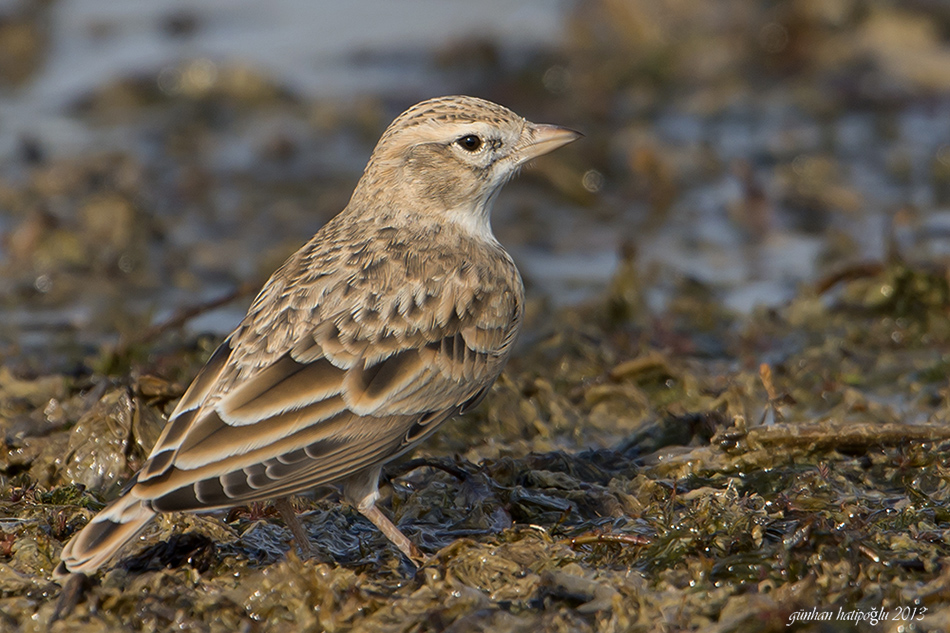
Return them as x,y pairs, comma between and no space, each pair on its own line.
314,48
344,53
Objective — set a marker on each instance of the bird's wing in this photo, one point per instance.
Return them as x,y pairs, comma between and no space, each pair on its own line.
333,380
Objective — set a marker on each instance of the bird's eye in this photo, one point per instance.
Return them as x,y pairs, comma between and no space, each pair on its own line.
470,143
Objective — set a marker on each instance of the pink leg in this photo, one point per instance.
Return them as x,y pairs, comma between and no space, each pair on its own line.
361,491
391,532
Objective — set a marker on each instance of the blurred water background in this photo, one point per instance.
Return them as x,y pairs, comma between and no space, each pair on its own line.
158,154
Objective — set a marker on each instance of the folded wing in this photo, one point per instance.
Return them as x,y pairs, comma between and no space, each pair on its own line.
352,391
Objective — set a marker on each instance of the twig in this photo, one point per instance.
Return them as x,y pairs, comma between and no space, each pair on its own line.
180,318
440,464
856,271
608,537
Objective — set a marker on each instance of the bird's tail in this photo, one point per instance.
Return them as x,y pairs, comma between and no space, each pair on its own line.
105,535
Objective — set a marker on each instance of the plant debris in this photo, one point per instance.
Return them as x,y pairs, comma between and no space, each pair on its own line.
643,464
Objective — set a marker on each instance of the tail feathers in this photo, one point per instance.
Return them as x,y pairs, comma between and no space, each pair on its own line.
104,536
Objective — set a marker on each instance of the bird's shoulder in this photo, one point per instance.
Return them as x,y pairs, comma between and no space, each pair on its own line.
374,283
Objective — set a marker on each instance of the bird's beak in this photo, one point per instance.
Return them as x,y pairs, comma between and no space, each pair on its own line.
541,139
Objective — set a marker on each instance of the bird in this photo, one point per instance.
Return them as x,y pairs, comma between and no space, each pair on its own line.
397,315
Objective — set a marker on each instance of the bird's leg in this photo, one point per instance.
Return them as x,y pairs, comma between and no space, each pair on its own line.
361,490
289,515
391,532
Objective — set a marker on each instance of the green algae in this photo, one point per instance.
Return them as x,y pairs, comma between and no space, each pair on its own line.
734,522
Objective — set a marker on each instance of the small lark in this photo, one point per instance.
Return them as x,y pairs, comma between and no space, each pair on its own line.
397,315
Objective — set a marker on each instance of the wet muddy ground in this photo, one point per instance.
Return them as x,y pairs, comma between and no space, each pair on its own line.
730,407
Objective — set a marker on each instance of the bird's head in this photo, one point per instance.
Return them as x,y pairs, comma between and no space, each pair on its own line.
451,155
